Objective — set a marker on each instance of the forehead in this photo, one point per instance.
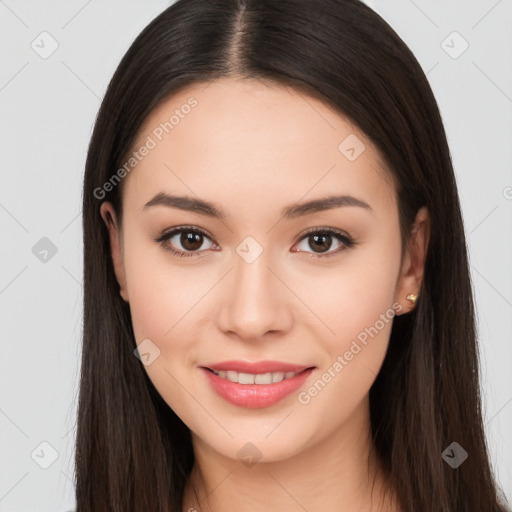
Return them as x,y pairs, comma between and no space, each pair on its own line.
256,139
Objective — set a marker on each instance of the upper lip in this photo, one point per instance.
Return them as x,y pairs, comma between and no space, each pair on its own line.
257,367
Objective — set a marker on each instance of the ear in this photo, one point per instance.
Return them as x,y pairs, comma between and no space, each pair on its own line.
413,265
109,216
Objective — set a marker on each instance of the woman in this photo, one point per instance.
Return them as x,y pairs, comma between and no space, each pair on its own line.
278,311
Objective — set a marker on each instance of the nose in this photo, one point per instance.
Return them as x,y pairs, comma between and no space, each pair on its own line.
255,301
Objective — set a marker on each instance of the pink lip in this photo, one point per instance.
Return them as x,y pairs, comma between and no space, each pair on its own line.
256,395
258,367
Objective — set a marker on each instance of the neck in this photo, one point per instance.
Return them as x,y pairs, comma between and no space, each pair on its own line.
336,473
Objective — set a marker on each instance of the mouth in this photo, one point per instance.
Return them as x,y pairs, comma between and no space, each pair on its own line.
242,385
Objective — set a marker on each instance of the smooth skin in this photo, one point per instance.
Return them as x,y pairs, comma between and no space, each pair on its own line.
253,148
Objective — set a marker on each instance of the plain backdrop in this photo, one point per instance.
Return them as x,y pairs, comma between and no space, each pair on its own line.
56,59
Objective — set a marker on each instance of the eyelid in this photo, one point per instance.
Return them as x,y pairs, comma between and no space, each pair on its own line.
173,231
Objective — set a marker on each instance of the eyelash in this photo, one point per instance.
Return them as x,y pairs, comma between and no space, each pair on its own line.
347,241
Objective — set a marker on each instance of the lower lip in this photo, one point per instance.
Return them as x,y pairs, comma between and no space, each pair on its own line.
256,395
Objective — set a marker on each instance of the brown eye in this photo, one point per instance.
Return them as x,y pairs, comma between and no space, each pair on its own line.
191,240
320,241
184,241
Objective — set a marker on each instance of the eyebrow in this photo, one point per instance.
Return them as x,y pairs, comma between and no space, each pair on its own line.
209,209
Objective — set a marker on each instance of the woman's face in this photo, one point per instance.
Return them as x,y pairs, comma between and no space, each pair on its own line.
254,285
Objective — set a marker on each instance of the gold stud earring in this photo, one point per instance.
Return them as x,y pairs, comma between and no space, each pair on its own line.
412,298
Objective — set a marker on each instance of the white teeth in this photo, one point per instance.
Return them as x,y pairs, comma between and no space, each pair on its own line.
232,376
277,376
260,378
246,378
265,378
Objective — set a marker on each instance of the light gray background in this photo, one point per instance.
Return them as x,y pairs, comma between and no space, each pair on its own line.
47,109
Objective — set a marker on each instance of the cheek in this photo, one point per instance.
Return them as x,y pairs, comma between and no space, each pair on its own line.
162,300
167,302
353,296
161,294
356,305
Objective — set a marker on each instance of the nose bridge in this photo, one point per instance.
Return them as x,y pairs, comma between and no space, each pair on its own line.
255,300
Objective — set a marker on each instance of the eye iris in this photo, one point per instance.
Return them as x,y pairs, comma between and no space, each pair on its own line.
191,240
319,240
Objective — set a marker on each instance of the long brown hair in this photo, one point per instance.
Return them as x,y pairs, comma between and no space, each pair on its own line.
132,452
